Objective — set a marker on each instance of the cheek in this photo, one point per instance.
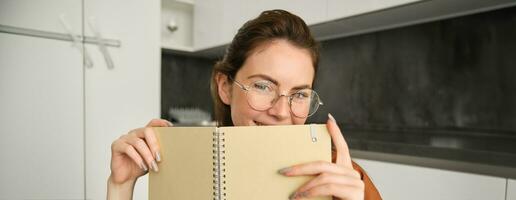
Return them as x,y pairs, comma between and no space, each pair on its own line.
297,121
241,112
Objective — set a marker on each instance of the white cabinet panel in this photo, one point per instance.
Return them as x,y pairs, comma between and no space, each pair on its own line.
182,15
404,182
235,14
41,119
127,96
310,11
207,24
216,22
511,189
42,15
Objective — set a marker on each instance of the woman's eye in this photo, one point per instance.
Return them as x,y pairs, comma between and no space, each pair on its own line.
301,95
261,86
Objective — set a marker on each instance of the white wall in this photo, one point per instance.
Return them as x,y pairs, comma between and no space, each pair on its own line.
400,182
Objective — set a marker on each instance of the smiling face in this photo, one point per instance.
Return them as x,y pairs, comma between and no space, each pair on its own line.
288,67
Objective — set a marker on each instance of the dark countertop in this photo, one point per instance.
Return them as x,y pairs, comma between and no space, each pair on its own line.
475,151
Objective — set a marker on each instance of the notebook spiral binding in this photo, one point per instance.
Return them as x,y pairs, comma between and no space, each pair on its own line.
219,165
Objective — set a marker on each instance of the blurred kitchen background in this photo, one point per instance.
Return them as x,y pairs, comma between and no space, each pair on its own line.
424,90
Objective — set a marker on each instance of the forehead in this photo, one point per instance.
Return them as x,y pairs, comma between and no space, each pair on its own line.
289,65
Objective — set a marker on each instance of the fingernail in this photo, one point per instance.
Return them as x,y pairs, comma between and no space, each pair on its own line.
301,194
284,171
158,157
144,168
292,196
170,123
154,166
331,117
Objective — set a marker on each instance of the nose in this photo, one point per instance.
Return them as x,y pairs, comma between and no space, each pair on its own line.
281,108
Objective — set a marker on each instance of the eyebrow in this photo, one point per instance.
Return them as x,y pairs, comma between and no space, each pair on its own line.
263,76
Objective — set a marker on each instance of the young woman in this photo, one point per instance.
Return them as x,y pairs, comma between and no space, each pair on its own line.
265,78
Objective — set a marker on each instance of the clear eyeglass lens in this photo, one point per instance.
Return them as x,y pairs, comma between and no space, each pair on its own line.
263,94
304,103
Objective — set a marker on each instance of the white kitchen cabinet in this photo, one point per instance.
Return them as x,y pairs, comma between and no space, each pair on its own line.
41,119
235,14
310,11
181,14
41,89
216,22
59,117
207,24
127,96
405,182
511,189
41,15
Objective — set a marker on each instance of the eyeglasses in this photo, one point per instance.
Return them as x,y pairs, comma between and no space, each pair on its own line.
263,94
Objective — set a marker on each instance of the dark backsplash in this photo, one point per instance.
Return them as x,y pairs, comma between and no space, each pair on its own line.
456,73
185,83
452,74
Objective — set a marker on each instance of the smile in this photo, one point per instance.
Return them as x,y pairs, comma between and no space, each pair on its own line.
258,123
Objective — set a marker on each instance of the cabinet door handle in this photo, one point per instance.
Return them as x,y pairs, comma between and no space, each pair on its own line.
76,39
100,43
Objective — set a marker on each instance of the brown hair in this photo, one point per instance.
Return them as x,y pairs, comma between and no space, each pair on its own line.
268,26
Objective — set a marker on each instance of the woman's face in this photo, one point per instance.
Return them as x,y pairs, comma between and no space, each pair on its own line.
287,67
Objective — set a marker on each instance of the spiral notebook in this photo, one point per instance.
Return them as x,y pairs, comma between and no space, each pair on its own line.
226,163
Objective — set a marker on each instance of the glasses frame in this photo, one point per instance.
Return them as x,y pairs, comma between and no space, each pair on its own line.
246,89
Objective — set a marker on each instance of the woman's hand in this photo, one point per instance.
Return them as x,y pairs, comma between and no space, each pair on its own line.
134,153
337,179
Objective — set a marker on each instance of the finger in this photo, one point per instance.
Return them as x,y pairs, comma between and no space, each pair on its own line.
317,167
152,141
129,150
337,190
343,156
141,147
327,178
159,123
150,138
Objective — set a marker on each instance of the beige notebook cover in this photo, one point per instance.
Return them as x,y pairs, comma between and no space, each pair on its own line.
234,162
